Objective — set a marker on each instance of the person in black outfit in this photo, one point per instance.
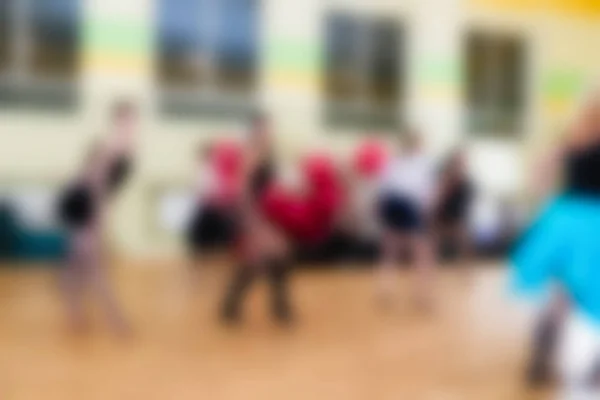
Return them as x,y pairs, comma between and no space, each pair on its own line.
263,248
454,204
82,209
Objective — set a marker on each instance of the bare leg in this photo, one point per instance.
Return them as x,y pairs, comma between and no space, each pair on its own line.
424,269
243,277
278,271
461,233
386,275
73,282
99,279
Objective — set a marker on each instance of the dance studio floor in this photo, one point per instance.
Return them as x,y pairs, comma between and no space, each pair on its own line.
344,346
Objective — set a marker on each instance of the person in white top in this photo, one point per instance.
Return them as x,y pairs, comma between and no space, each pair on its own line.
407,194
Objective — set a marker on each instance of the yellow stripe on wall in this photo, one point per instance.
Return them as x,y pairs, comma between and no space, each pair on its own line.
296,80
580,8
116,63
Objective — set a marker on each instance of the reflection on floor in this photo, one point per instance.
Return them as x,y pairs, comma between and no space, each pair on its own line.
343,346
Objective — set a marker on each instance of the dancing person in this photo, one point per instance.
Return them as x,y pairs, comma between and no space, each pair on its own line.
262,247
453,206
276,221
562,247
406,196
82,209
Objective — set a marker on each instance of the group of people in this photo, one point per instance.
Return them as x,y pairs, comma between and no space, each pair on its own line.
242,204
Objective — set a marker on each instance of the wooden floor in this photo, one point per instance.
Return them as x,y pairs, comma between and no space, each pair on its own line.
343,347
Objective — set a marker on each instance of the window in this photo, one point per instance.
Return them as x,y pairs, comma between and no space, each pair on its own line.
4,38
495,79
207,54
38,52
363,71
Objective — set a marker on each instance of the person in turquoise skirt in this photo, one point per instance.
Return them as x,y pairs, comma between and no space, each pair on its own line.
558,260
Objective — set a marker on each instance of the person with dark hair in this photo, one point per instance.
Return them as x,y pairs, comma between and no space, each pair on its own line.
562,248
275,220
407,192
453,205
262,247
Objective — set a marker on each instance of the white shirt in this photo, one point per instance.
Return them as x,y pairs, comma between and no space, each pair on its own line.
413,176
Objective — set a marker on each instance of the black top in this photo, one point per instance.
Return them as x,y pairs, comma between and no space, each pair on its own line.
119,171
262,176
582,175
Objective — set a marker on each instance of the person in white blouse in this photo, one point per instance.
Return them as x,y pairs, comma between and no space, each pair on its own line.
406,198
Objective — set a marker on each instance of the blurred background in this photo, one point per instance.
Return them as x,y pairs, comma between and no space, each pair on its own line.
500,77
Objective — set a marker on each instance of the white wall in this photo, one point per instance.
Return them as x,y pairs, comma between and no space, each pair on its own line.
36,146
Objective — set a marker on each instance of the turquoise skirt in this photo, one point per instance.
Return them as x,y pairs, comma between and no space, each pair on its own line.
562,246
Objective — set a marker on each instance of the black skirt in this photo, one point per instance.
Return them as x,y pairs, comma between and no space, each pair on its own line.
210,228
400,214
77,206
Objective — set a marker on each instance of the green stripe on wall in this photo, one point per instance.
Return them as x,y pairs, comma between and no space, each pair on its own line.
121,37
443,72
293,55
563,84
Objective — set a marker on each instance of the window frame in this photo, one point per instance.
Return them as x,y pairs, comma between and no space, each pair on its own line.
516,127
20,86
207,99
363,113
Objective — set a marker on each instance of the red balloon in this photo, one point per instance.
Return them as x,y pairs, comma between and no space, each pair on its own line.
370,158
308,217
227,156
227,160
